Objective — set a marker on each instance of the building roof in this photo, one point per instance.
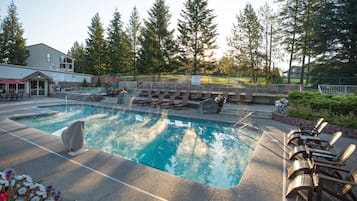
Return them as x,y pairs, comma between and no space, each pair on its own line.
38,75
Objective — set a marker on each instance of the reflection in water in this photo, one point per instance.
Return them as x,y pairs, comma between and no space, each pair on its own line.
207,152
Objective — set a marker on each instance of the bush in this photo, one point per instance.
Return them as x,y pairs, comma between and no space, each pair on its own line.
338,110
98,83
84,83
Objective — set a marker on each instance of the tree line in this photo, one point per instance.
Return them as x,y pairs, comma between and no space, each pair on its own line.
318,35
148,46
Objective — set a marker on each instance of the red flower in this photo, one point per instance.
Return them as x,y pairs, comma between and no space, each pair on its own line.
4,196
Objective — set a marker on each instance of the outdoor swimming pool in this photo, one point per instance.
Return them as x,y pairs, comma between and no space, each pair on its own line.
211,153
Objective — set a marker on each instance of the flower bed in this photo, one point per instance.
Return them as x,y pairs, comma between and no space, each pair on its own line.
21,187
347,132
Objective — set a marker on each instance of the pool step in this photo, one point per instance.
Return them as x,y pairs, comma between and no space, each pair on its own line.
242,111
77,96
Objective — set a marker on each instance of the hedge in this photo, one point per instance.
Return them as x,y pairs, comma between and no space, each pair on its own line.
338,110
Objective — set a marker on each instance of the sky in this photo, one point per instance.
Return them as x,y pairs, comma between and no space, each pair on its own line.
59,23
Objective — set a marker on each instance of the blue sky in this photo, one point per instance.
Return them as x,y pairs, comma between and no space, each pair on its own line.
60,23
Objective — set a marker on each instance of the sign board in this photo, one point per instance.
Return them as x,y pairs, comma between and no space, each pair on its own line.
196,80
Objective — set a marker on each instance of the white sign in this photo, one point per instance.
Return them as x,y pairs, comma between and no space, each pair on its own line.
196,80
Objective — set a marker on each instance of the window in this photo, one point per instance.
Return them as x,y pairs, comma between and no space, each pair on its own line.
70,66
62,66
62,59
48,57
68,60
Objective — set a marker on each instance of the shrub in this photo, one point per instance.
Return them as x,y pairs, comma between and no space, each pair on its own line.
84,83
338,110
98,83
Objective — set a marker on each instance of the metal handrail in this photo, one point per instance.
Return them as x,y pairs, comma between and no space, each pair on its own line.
242,119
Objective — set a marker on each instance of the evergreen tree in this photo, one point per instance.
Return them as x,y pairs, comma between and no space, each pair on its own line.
1,43
267,21
246,40
13,45
133,34
227,65
84,83
197,34
291,23
335,41
127,54
78,53
96,48
118,52
157,53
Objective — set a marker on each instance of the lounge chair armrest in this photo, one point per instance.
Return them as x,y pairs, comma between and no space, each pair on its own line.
336,179
321,155
311,151
303,132
309,137
327,162
331,166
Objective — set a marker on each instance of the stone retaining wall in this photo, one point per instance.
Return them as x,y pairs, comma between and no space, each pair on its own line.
347,132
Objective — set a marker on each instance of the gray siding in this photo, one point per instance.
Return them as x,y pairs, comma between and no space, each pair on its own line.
48,58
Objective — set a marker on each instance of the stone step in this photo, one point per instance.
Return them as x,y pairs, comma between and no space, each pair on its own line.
74,96
266,114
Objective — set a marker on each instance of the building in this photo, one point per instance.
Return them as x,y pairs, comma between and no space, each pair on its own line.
45,57
38,81
296,72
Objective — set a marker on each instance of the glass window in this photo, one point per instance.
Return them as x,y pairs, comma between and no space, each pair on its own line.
68,60
48,57
62,59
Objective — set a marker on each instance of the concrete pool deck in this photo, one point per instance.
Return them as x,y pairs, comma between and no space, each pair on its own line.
96,175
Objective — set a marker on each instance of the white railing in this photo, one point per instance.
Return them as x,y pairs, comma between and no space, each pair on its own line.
340,90
271,88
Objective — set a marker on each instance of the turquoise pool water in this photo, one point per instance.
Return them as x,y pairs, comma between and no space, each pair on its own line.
211,153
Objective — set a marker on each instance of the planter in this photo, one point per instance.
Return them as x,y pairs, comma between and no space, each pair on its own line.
346,132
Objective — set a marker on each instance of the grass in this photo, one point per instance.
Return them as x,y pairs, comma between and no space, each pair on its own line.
205,79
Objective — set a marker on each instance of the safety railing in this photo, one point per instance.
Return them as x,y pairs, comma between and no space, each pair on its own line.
340,90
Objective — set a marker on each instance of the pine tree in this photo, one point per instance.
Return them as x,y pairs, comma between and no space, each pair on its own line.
117,50
1,43
289,27
246,40
157,51
267,19
133,34
96,48
13,45
335,41
227,65
78,53
197,34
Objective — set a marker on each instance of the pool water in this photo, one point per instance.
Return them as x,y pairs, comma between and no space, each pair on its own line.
211,153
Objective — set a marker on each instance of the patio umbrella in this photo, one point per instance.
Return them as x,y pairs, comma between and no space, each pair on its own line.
7,82
11,81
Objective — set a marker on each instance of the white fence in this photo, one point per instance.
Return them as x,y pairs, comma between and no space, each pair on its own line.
341,90
270,88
